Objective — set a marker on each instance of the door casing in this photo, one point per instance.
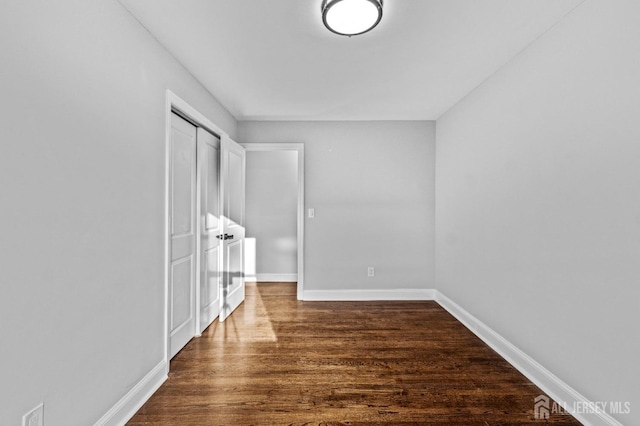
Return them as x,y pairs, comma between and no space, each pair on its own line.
175,104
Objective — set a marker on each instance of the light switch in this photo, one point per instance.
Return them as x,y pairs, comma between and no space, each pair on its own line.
312,213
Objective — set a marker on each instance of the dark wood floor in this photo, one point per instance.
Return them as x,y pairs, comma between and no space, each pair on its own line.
280,361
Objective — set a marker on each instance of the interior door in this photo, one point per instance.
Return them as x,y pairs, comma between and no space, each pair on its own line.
210,226
232,169
182,228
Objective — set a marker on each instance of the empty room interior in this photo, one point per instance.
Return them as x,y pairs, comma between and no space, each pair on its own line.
266,212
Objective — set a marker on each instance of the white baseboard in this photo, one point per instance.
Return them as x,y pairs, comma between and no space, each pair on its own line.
273,278
129,404
368,295
553,387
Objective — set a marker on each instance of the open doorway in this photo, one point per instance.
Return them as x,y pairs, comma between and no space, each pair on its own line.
275,213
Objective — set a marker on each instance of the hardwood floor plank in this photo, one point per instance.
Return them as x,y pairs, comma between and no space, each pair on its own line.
277,360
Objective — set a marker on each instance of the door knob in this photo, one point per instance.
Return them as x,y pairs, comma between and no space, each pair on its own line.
228,237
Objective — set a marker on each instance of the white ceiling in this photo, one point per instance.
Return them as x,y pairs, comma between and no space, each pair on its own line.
274,60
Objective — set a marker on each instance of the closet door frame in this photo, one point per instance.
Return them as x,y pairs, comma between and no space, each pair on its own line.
175,104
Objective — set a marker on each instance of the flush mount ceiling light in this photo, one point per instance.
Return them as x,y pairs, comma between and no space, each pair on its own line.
351,17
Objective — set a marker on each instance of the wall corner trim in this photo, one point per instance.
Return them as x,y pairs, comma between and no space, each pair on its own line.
131,402
369,295
553,387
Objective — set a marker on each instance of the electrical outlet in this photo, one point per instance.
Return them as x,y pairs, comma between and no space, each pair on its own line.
371,271
34,417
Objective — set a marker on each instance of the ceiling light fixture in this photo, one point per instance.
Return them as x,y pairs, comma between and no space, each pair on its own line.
351,17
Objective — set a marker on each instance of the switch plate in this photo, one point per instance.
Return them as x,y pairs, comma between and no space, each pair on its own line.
371,272
34,417
312,213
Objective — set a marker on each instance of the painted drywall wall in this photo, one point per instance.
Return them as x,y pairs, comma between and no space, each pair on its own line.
537,206
272,210
372,187
82,171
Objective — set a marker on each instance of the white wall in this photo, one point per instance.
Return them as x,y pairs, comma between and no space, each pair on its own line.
82,174
538,206
372,187
272,210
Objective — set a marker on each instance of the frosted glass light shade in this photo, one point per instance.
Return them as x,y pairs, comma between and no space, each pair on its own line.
351,17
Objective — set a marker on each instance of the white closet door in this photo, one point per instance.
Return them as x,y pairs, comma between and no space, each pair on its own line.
232,169
210,227
182,228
